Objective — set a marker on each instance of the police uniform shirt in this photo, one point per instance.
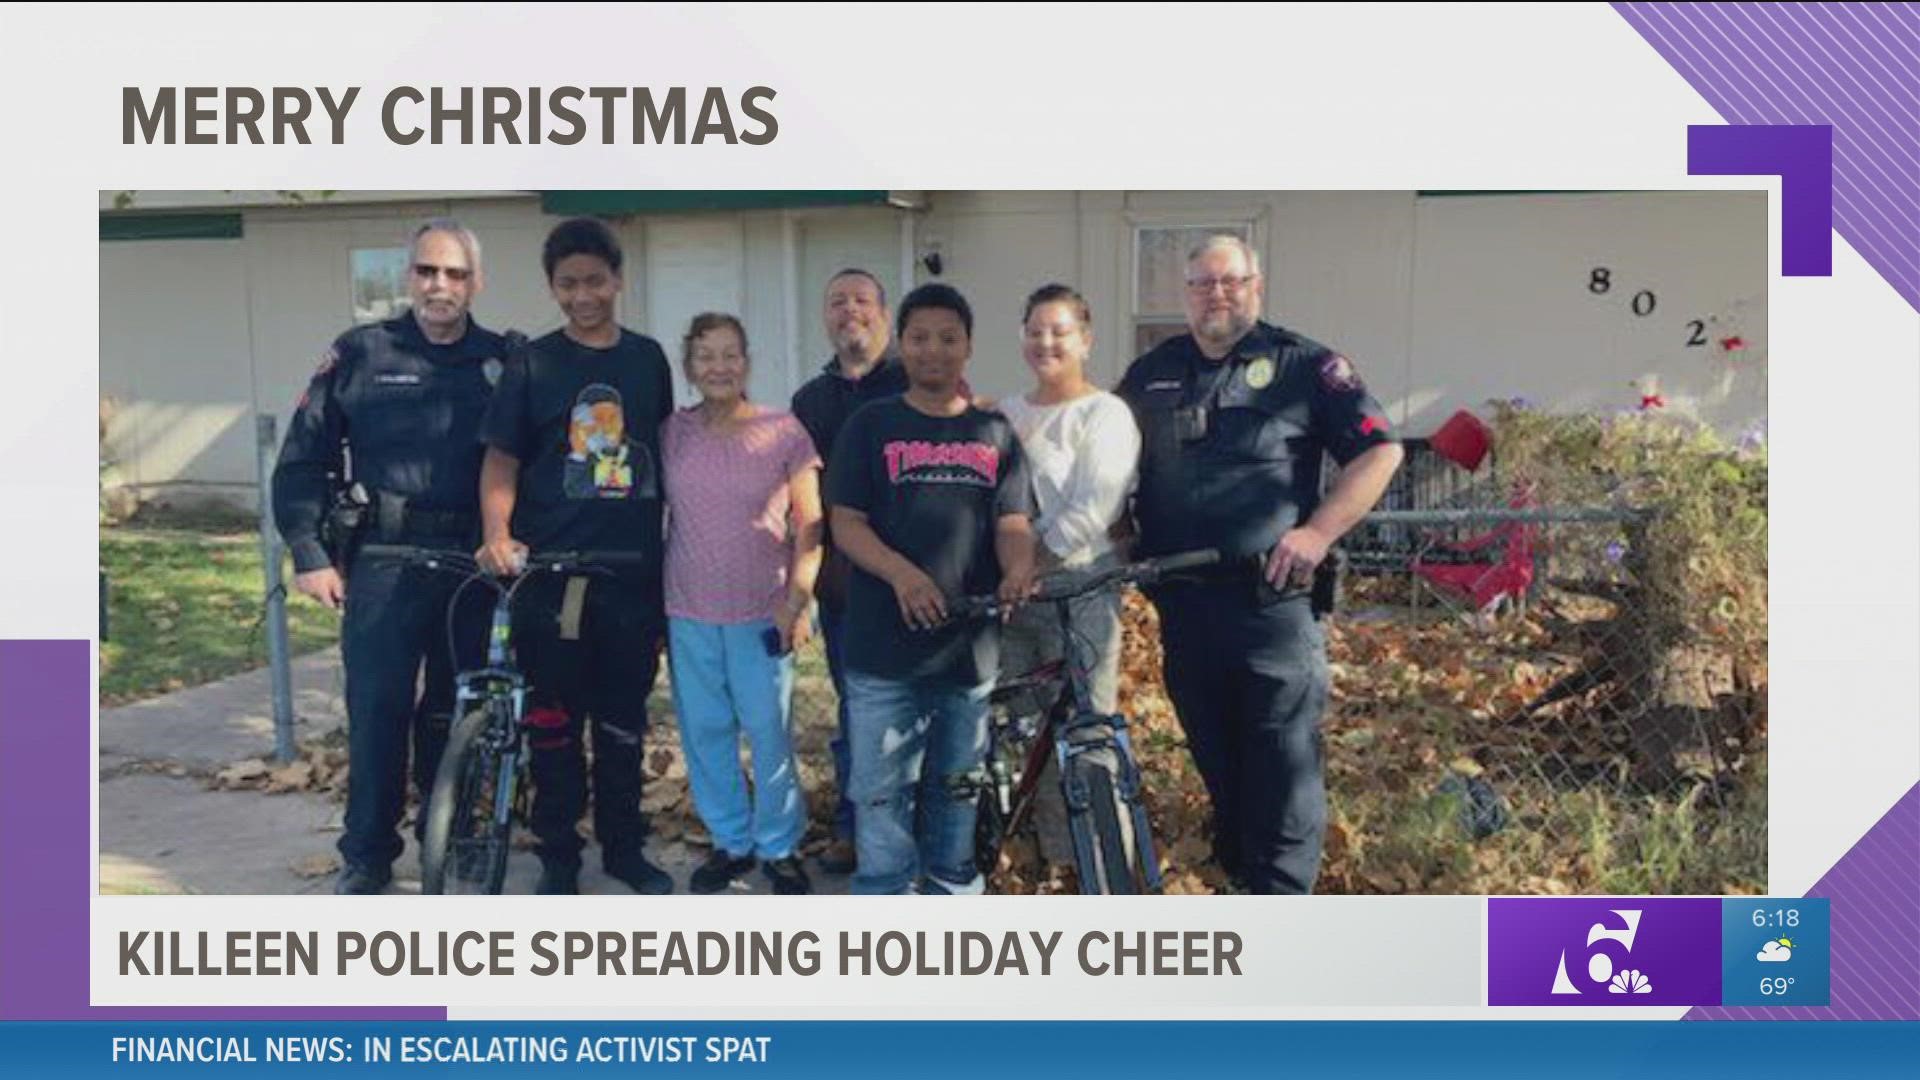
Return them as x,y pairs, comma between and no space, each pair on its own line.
407,409
1231,450
584,423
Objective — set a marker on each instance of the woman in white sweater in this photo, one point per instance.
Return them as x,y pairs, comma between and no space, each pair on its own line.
1082,447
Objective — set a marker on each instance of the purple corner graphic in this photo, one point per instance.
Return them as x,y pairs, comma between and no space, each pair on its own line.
1603,951
1874,893
1802,156
46,845
1853,68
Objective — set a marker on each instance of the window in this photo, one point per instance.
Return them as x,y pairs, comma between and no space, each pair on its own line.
379,283
1160,278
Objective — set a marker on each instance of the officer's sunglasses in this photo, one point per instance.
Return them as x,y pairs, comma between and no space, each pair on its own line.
428,271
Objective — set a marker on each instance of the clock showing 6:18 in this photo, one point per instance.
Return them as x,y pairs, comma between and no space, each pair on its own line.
1643,303
1774,950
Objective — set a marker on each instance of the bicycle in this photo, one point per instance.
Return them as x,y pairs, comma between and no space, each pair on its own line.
1099,778
482,783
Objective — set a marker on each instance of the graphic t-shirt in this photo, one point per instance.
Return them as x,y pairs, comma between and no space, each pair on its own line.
585,425
933,488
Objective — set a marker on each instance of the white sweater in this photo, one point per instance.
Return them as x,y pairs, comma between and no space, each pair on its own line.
1083,456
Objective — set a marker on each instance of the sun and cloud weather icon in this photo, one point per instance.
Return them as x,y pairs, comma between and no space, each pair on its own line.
1777,951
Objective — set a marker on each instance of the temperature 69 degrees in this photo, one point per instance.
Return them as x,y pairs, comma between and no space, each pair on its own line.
1776,950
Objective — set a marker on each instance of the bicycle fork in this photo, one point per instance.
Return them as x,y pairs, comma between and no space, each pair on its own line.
1104,733
503,695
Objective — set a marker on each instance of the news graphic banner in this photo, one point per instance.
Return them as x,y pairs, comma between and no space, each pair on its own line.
1657,951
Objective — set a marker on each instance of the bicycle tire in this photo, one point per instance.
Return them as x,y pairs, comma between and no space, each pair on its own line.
465,847
1112,849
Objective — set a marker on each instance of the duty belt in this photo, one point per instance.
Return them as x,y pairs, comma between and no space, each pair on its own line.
396,517
1249,572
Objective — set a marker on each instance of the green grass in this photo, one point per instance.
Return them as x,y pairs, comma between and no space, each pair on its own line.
1559,839
185,608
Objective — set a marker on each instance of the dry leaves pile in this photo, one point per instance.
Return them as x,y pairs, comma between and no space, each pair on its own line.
1419,705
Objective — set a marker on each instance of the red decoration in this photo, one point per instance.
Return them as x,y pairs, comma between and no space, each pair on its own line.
1652,401
1463,440
1733,344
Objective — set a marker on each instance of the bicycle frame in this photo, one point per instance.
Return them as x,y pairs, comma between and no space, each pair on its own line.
1070,726
498,687
502,691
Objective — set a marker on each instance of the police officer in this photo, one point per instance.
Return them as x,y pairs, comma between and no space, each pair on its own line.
400,402
1235,416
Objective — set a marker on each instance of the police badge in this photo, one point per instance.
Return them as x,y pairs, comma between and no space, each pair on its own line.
1260,373
490,369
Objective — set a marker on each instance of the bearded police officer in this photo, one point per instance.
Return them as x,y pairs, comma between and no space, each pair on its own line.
393,413
1235,416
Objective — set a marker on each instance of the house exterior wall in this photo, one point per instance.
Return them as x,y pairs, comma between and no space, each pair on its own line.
1443,302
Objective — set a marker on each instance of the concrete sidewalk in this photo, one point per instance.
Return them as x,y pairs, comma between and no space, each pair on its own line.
164,829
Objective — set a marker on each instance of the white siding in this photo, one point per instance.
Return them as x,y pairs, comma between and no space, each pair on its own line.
1502,307
693,265
175,358
831,241
1443,302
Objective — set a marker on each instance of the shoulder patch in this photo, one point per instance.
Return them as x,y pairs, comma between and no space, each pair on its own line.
327,360
1337,374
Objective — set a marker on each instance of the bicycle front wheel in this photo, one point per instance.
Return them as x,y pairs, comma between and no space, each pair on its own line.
468,824
1106,846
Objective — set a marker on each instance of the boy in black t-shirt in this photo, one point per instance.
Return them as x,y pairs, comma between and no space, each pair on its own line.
573,464
930,500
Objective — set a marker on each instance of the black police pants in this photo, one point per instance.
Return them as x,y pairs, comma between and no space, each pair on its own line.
592,675
1249,683
396,618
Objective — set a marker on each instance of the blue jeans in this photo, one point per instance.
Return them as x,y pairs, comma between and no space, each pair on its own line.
911,740
725,684
832,632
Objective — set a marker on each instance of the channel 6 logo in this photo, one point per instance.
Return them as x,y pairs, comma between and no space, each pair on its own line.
1603,951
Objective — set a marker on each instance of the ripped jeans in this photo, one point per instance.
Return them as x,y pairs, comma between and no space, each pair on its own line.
912,830
589,670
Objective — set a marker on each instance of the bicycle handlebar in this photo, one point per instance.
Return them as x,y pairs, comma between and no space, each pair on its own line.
550,562
1145,572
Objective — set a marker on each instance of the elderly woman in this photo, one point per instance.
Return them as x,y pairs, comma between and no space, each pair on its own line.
1082,447
743,550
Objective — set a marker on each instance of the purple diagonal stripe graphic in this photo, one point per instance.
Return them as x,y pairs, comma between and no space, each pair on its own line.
46,765
1875,895
1855,67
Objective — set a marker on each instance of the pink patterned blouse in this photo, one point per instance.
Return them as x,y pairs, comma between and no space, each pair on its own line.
729,532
